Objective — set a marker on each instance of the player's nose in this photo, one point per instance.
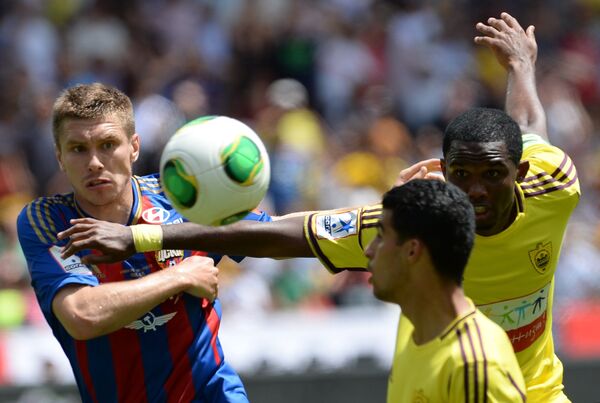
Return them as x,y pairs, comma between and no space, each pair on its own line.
94,163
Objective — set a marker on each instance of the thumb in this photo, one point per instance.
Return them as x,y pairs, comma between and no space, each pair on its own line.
530,32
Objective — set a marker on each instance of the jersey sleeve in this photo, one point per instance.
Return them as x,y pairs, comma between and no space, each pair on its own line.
551,170
339,237
485,382
37,226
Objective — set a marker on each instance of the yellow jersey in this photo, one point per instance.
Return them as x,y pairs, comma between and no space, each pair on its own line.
470,361
510,275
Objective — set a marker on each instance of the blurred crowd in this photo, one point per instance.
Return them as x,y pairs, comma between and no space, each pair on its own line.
344,93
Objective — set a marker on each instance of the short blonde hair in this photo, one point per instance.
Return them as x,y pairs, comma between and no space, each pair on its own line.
92,101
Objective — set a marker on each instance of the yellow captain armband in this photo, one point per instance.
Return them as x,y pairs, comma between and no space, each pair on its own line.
146,237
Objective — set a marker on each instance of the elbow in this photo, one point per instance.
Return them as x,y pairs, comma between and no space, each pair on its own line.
81,330
78,318
81,326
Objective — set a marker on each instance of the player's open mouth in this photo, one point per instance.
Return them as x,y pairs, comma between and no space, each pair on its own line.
482,212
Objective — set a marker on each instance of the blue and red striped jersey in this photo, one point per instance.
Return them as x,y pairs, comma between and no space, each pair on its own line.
172,353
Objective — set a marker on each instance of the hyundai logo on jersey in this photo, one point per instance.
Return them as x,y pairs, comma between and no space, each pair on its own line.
155,215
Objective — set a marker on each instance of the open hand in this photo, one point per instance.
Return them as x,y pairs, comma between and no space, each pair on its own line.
426,169
510,43
114,241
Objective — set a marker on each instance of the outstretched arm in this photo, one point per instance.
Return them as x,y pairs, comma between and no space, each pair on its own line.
516,50
284,237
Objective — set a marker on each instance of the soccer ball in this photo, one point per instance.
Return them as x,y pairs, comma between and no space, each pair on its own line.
215,170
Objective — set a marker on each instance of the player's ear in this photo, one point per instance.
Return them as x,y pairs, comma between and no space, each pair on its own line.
443,166
59,157
135,147
522,170
414,249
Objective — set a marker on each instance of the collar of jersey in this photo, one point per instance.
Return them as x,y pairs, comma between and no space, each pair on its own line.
136,209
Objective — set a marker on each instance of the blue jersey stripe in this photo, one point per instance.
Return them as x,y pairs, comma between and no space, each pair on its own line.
157,361
101,368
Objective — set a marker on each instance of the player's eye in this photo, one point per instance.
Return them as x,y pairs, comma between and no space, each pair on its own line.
77,149
494,173
461,173
109,145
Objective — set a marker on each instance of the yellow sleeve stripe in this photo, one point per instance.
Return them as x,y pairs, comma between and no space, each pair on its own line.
564,176
474,360
150,182
150,185
370,211
476,366
33,223
521,393
150,190
40,219
314,244
369,223
370,216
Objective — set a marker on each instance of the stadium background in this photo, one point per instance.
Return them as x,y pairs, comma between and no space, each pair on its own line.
344,93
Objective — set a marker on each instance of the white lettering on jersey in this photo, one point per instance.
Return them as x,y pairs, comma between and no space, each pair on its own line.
72,264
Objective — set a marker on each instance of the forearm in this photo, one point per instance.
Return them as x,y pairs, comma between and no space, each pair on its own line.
278,239
522,101
87,312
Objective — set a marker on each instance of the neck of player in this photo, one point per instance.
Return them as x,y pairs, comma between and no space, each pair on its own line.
433,307
117,211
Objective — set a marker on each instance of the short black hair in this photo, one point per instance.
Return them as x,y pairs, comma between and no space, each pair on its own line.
485,125
441,216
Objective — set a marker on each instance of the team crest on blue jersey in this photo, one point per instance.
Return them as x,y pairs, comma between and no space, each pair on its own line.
541,256
336,225
72,264
150,321
168,257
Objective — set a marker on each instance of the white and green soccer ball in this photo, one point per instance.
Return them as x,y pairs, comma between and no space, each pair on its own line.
215,170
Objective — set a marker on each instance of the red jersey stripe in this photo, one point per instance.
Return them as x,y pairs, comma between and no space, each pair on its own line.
179,387
82,359
129,374
213,322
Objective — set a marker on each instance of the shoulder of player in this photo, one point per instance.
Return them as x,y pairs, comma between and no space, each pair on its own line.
551,170
482,353
478,339
149,184
46,216
48,206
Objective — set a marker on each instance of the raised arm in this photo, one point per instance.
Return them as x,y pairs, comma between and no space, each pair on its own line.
516,50
284,237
